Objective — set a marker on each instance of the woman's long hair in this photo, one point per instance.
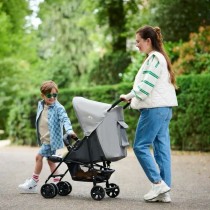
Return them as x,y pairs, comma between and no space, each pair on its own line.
154,33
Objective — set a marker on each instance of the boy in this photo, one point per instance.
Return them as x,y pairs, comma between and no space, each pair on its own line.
51,118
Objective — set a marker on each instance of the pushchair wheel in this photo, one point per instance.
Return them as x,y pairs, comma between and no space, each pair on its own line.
112,190
70,187
97,193
64,188
49,190
56,188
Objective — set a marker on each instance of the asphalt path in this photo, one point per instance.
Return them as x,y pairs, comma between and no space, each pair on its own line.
190,188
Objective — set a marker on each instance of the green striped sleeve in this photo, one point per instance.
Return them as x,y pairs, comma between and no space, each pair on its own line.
156,65
152,58
143,91
136,95
151,73
148,83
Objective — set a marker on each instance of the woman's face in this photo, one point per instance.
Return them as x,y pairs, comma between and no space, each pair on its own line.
144,45
51,97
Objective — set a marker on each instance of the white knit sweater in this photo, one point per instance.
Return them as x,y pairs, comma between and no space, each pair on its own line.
152,87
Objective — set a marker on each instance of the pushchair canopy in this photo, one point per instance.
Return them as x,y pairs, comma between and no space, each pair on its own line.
89,113
106,129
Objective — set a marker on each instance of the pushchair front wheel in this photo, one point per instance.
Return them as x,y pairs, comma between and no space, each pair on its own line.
97,193
112,190
49,190
64,188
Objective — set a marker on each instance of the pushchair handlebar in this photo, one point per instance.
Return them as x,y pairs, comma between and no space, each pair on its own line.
126,105
67,139
75,138
116,103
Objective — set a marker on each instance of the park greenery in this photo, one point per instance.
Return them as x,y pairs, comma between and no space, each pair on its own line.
88,48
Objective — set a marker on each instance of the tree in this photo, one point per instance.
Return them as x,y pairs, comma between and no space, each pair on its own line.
64,42
16,54
179,18
12,14
113,14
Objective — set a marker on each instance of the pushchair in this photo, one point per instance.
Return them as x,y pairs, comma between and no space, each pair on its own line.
105,140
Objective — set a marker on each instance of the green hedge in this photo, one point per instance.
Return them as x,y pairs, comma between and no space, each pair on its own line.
189,127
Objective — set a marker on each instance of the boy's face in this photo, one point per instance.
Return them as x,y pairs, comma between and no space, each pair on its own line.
51,97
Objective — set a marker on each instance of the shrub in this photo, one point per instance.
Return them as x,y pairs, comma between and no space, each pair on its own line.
194,55
189,127
190,124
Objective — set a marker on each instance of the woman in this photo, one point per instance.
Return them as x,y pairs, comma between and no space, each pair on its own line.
154,95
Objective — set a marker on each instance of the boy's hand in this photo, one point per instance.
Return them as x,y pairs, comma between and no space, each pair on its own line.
73,135
67,140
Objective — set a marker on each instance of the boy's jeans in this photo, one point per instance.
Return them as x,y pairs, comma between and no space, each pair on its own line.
153,130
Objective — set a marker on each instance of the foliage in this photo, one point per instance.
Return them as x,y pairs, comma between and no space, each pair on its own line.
5,39
114,15
189,127
12,15
16,10
191,57
190,124
178,18
64,43
77,37
131,71
21,122
137,59
194,55
16,54
109,69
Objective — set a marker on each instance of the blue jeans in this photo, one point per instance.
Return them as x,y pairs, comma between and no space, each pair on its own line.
46,151
153,130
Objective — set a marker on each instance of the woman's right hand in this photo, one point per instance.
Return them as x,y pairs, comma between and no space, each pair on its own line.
124,98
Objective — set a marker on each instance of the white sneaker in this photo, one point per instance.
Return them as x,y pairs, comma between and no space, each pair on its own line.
164,198
157,189
29,186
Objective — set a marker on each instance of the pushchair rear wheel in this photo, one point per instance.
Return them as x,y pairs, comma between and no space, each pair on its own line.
64,188
112,190
97,193
49,190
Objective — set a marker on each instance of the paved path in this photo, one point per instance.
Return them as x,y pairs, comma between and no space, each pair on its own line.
190,190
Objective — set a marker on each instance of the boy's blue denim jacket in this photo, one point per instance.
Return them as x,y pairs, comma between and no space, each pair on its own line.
57,120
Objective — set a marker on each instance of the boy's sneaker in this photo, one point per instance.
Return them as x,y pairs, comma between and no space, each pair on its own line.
56,181
157,189
29,186
164,198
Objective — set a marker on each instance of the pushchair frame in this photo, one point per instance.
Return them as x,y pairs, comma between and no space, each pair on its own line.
98,171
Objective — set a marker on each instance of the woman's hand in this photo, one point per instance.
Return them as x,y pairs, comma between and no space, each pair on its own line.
124,98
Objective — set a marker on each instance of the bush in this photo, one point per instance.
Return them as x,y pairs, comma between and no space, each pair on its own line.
21,121
191,119
189,127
